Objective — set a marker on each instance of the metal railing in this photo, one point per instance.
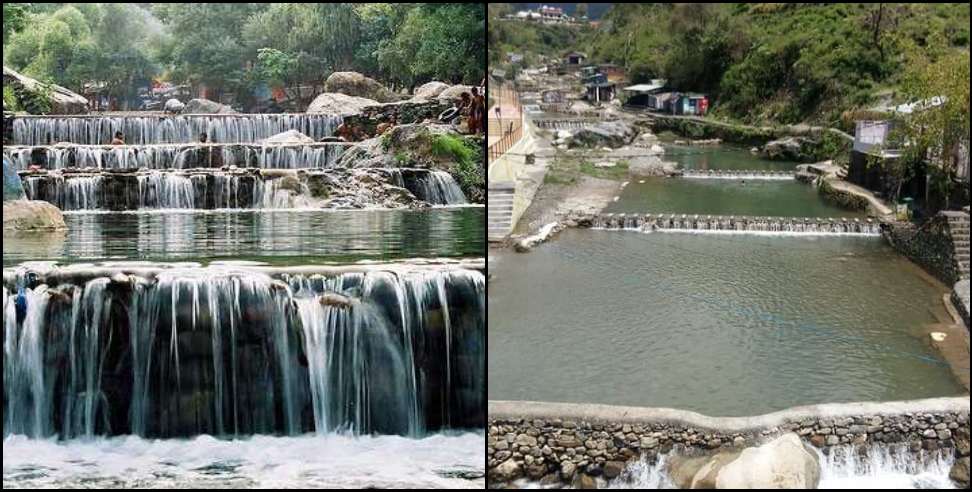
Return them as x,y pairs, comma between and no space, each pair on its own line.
508,129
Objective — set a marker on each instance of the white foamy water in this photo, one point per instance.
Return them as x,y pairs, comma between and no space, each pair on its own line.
883,468
334,461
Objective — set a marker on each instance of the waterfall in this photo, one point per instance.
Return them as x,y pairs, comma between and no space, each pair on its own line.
13,186
177,156
235,128
739,175
439,188
279,193
884,467
228,352
68,193
166,190
738,225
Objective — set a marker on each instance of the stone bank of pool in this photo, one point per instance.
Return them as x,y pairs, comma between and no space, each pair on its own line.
722,325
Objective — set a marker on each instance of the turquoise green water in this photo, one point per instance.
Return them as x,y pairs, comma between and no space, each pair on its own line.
725,197
279,238
722,158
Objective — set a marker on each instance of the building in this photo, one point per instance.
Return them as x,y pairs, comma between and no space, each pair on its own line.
574,58
648,96
873,144
690,104
614,72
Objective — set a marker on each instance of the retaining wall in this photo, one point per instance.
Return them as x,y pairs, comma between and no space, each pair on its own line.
557,440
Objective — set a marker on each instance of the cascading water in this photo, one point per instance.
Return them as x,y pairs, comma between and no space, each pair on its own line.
873,467
225,351
737,225
158,190
177,156
237,128
739,175
439,188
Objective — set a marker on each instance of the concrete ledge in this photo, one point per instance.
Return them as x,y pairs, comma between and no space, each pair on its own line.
50,273
516,410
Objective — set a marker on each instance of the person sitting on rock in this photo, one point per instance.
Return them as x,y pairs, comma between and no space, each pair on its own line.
119,139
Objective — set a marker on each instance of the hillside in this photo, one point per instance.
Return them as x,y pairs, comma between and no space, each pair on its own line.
769,62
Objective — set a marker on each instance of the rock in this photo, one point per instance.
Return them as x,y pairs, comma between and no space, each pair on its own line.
782,464
205,106
358,85
174,106
651,166
609,134
62,101
584,481
605,164
506,471
613,469
453,93
338,300
340,104
430,90
289,136
26,215
525,440
567,470
960,473
789,149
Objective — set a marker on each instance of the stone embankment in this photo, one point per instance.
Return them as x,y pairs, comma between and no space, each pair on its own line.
572,444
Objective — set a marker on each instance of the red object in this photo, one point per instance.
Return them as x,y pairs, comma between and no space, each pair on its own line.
704,106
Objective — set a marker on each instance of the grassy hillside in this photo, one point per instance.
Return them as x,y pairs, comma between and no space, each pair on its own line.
765,62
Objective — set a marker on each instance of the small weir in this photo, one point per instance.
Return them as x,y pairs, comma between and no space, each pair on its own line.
437,187
221,128
211,189
175,351
737,175
177,156
736,224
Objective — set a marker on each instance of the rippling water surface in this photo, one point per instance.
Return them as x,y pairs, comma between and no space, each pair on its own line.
723,325
282,237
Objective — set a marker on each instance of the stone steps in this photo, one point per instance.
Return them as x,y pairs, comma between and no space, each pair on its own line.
499,221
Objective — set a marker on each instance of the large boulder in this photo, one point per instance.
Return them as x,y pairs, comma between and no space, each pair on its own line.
174,106
960,473
358,85
32,94
24,215
430,90
785,463
454,93
612,134
341,104
205,106
799,149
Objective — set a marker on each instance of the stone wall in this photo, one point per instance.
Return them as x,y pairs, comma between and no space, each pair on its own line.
960,297
841,198
929,246
565,443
